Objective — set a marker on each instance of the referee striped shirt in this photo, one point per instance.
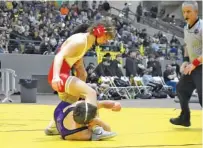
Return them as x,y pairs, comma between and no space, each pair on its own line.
193,39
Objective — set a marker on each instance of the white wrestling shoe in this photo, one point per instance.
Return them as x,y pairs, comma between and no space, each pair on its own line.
100,134
51,131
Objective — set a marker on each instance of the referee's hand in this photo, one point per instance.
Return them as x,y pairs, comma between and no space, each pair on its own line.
188,69
183,66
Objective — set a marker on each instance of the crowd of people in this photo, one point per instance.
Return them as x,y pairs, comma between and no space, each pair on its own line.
40,27
50,27
136,65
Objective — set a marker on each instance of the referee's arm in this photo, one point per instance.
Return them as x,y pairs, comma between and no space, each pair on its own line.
200,58
187,56
185,52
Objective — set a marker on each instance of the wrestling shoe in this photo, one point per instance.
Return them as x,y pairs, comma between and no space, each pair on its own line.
51,131
100,134
183,120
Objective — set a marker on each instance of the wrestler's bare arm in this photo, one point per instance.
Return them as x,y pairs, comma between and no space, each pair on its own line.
108,104
80,70
67,49
97,121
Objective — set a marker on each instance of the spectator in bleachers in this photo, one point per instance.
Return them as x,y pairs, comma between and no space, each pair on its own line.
94,5
100,6
174,46
147,41
116,66
155,65
143,34
30,49
104,69
140,65
173,20
36,20
155,45
169,76
92,77
139,12
131,65
154,11
167,18
173,50
126,10
64,10
45,46
162,12
163,40
176,66
174,40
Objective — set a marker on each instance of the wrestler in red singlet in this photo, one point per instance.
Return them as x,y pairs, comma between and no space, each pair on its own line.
71,54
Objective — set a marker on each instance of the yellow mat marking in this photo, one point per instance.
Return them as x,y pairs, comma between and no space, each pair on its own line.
22,126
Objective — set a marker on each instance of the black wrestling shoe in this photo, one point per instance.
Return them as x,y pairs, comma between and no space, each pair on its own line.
182,120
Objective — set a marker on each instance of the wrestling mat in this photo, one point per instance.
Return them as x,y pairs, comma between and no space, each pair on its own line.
23,125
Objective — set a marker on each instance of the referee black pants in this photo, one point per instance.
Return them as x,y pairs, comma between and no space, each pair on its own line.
185,87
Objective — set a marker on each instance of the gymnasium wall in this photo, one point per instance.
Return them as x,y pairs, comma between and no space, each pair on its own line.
37,66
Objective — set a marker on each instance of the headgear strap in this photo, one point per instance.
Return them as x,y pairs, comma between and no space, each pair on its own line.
86,109
99,31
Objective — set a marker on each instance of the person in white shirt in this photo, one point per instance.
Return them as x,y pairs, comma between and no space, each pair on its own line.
192,65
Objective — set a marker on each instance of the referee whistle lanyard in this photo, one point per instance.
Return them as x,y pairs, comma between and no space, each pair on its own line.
196,28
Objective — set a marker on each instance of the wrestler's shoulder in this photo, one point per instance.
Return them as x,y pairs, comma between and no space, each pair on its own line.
78,38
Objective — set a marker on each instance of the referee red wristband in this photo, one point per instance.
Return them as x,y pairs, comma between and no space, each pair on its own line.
196,62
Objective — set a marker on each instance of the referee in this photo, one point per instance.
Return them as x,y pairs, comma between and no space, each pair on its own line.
192,65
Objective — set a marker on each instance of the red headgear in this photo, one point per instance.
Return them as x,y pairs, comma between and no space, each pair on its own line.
99,31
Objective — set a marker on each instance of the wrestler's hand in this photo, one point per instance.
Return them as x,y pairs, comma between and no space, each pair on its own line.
116,107
189,69
57,83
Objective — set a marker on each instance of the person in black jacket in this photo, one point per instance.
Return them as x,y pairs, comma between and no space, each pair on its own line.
131,65
155,65
116,66
103,69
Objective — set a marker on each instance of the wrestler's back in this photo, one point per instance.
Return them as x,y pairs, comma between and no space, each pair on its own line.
79,52
68,128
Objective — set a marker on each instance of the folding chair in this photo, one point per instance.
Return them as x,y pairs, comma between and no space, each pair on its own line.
160,80
140,85
130,90
122,91
112,87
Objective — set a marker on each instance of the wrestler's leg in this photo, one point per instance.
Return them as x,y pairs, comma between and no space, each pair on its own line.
84,135
92,134
77,87
51,128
